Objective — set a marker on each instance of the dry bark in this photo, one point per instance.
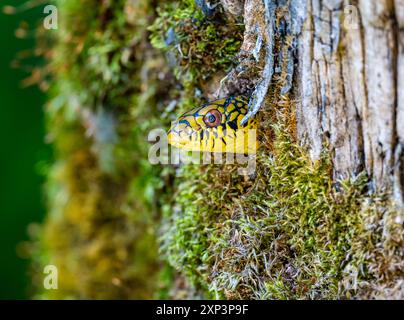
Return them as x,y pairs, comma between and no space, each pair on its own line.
348,80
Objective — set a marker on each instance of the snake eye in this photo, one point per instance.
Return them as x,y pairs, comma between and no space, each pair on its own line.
213,118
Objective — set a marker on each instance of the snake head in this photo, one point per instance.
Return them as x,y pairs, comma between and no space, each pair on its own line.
215,127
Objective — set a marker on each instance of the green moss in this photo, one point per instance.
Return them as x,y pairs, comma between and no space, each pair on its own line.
102,193
287,234
197,48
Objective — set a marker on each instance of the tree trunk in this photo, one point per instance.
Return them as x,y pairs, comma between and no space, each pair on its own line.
348,82
305,226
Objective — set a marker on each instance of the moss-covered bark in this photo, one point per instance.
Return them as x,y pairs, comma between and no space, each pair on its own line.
119,227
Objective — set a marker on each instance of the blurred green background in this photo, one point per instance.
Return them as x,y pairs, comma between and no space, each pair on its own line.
23,150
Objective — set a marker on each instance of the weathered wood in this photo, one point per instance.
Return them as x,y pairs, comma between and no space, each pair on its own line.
380,68
399,154
327,112
349,85
348,80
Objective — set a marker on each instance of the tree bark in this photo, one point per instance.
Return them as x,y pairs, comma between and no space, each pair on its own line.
350,89
348,82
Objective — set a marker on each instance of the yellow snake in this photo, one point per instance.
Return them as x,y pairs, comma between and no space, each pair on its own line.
215,127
